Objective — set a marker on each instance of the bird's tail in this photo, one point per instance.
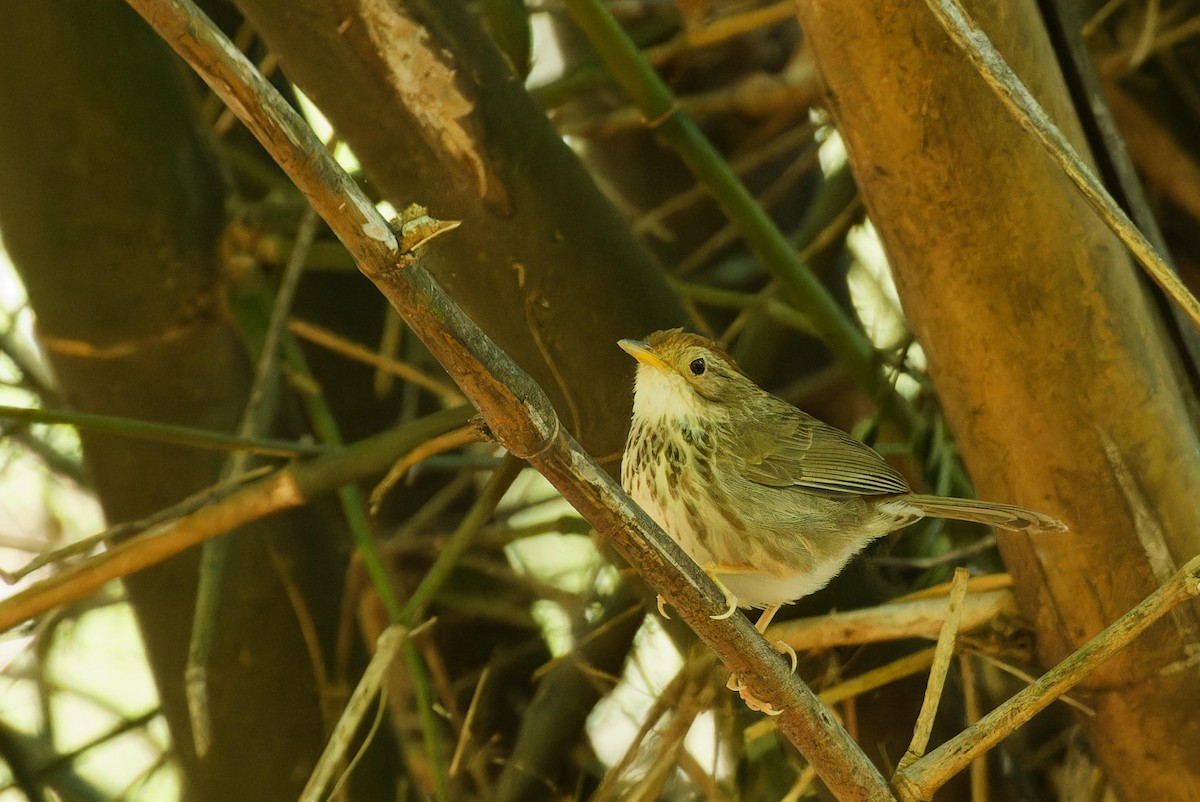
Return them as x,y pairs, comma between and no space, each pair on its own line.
1002,516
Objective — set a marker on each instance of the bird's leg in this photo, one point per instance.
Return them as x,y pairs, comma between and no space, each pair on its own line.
764,620
731,601
783,647
712,569
735,682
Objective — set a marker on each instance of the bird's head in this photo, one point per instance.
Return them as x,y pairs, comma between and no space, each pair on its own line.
683,375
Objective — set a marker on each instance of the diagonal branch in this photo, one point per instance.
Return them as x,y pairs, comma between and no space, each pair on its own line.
516,409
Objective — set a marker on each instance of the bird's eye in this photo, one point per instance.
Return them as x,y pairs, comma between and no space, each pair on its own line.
697,367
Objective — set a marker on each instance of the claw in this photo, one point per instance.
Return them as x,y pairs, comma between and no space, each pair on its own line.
758,705
729,612
783,647
662,608
730,599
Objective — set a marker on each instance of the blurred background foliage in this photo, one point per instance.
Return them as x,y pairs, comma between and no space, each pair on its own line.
150,241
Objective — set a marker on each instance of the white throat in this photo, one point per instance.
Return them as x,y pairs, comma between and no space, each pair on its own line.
658,395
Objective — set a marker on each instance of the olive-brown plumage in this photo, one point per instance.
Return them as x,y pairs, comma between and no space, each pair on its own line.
768,499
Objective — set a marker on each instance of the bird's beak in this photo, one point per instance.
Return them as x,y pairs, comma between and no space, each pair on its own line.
643,353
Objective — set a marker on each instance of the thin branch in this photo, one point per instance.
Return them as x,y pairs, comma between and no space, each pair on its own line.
669,743
257,416
979,769
342,738
663,702
431,719
721,30
116,731
260,405
462,436
161,432
856,686
759,94
464,733
894,621
867,681
942,656
352,350
350,498
1022,675
784,145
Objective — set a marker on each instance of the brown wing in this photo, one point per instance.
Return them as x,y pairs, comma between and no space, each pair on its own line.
786,447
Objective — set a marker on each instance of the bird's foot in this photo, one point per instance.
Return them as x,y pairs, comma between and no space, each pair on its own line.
735,683
731,601
753,702
758,705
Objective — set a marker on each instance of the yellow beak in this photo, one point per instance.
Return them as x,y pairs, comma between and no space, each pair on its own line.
643,353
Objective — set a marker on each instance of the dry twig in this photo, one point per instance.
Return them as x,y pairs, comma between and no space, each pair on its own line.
942,656
921,779
342,738
462,436
351,350
904,619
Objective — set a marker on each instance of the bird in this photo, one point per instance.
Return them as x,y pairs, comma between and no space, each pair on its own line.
768,500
